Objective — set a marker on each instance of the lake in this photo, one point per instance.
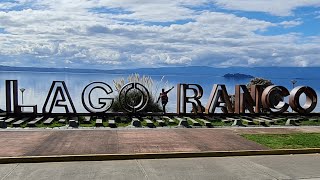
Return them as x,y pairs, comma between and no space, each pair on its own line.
37,84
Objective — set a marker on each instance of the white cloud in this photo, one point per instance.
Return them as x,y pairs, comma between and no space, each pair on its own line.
289,24
70,33
274,7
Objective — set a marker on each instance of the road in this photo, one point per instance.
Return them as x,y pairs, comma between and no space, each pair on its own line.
253,167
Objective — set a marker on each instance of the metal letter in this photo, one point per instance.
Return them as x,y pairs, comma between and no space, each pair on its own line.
197,94
12,105
126,100
86,97
311,99
256,93
60,88
217,97
243,100
271,101
11,96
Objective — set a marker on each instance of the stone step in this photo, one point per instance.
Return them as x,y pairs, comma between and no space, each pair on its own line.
3,124
291,122
237,122
205,122
48,121
62,120
136,122
149,123
156,118
161,122
10,120
20,121
249,122
73,123
271,122
248,118
182,122
170,121
194,122
87,119
260,122
112,123
99,122
34,122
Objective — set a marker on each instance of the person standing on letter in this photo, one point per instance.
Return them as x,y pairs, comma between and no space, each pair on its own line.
164,98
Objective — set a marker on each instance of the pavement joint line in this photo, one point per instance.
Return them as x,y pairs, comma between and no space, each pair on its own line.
109,157
9,173
142,169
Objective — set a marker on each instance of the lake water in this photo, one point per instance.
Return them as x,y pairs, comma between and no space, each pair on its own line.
37,84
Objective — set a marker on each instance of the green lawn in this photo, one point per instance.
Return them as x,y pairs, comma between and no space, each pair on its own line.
286,141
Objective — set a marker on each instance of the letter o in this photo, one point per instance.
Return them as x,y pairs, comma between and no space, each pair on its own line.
311,99
271,91
123,96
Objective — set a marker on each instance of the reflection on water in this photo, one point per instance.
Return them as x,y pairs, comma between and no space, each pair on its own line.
38,84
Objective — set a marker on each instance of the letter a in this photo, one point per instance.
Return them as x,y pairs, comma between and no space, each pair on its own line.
59,88
217,98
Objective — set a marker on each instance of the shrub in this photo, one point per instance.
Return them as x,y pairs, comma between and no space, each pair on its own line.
134,95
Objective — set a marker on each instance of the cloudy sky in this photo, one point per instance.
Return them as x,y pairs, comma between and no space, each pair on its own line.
110,34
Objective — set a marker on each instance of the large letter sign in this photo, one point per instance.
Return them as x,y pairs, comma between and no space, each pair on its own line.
103,102
134,97
65,101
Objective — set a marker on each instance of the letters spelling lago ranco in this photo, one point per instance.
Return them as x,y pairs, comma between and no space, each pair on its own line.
270,98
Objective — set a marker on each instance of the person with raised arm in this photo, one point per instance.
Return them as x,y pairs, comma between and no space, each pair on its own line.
164,98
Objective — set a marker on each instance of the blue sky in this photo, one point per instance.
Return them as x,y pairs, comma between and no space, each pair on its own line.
109,34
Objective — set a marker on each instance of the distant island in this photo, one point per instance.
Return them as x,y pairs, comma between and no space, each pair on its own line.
237,76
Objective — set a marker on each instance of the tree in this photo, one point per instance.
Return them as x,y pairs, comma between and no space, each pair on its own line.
259,81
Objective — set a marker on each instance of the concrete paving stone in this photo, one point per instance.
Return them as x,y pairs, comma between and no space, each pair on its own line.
48,121
62,120
208,168
79,170
34,121
87,119
99,122
10,120
251,167
296,166
6,169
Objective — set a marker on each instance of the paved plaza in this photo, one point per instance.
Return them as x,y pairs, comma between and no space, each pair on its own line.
253,167
37,142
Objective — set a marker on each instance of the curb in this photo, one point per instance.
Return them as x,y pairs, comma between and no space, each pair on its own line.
109,157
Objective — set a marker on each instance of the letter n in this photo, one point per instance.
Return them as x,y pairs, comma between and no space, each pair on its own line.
243,100
218,98
65,101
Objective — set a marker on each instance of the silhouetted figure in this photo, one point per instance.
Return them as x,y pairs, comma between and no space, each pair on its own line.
164,98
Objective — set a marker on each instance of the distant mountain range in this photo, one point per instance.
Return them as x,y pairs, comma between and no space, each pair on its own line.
278,72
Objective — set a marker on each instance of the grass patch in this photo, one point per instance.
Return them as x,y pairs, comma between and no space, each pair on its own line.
281,122
53,125
123,124
221,123
190,123
91,124
105,123
310,123
200,122
286,141
170,124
